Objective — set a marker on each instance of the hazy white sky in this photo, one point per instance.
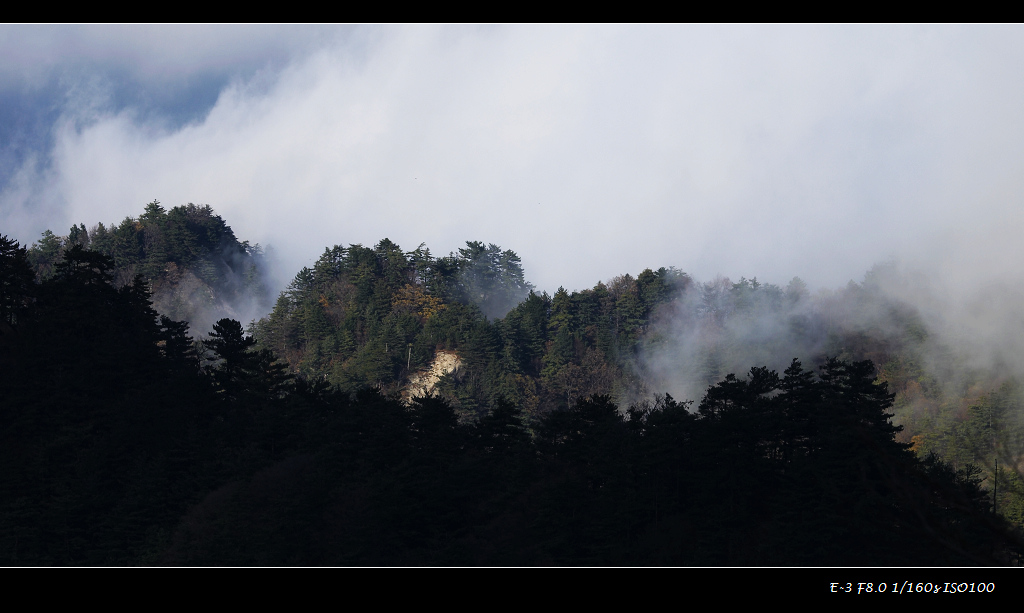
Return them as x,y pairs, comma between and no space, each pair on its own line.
767,151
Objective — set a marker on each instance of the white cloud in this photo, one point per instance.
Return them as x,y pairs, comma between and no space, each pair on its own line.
591,151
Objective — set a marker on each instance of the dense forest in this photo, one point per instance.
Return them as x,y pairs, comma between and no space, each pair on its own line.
197,270
400,408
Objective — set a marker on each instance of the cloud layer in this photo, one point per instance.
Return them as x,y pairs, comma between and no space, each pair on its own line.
591,151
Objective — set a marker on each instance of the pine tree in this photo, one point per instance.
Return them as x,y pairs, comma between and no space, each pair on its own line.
16,283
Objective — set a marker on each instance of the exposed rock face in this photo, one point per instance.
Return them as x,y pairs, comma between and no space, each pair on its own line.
421,383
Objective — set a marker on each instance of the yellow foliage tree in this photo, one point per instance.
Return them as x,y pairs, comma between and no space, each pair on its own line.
413,299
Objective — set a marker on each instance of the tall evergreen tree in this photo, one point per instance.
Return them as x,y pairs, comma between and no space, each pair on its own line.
16,283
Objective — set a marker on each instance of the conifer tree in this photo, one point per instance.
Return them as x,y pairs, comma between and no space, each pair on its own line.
16,282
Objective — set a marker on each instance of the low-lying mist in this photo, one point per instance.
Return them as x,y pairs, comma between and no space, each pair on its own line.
241,292
898,316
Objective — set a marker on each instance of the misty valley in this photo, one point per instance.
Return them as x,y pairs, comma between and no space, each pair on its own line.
163,404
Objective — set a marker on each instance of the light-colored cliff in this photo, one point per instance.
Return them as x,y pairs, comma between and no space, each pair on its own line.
422,382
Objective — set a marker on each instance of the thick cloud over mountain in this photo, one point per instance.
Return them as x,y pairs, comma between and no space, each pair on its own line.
768,151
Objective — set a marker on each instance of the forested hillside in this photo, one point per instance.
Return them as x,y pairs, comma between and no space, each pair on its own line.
122,445
365,317
547,439
198,270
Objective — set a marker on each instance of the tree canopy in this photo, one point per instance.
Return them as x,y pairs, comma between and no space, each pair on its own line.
128,441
